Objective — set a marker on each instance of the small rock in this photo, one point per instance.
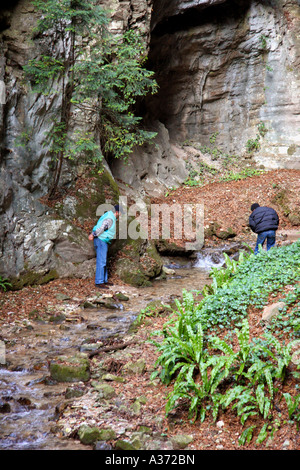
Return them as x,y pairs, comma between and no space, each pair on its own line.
107,434
180,441
113,378
60,296
101,445
137,367
90,346
225,234
124,445
121,296
136,407
272,311
88,435
168,271
296,353
286,444
137,443
112,305
74,392
70,369
105,390
93,326
58,318
87,304
142,399
144,429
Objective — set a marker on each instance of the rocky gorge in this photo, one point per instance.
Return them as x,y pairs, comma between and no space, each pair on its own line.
227,73
226,118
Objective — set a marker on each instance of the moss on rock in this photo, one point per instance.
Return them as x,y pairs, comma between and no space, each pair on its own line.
70,369
139,263
88,435
29,278
103,188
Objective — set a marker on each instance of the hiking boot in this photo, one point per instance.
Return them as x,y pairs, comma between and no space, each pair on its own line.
101,286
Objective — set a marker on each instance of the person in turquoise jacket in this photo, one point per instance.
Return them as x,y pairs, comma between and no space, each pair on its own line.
102,234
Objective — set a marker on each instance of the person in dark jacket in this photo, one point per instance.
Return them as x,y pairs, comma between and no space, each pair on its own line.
264,221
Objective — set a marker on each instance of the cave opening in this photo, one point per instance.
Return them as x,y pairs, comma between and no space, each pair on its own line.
190,52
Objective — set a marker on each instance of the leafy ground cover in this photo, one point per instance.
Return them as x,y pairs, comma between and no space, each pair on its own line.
208,372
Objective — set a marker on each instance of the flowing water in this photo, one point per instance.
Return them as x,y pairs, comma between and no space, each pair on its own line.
28,398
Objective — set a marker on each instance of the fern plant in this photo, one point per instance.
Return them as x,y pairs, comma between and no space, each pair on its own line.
222,276
4,283
293,404
209,373
281,356
183,345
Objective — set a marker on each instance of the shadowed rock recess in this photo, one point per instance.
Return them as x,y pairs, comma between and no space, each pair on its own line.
226,68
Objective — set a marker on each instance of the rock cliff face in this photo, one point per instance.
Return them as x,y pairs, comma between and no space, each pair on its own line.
227,68
37,243
224,68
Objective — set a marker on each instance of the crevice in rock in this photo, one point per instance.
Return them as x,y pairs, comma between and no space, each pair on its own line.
220,67
184,50
198,15
6,7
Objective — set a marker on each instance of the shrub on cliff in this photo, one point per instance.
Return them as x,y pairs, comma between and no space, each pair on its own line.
99,75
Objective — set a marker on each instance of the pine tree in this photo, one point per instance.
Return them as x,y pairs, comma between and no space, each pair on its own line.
100,75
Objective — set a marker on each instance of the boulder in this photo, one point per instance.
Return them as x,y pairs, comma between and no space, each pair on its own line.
138,262
70,369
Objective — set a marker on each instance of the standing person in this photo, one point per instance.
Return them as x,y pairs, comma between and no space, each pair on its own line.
102,234
264,221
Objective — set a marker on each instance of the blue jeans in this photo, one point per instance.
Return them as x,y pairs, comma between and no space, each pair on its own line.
269,235
101,259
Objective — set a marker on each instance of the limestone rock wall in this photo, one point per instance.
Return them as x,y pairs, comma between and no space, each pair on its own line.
225,67
36,243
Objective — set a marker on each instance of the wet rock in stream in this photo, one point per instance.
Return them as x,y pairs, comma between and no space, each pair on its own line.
70,369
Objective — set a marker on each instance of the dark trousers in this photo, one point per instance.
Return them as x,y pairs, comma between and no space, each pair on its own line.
269,235
101,248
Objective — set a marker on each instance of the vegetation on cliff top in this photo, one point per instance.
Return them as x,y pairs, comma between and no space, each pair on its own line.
100,76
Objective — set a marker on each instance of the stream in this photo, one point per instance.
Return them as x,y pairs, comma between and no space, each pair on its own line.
28,397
